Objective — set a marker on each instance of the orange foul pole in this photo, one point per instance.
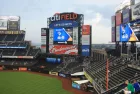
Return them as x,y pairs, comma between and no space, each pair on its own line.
107,72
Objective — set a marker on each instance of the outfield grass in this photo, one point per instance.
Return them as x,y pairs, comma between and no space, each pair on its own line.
26,83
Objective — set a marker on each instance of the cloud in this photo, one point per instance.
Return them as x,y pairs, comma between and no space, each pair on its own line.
101,33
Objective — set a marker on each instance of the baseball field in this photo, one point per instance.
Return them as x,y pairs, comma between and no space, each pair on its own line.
28,83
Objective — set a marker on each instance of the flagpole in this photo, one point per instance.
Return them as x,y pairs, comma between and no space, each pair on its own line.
107,72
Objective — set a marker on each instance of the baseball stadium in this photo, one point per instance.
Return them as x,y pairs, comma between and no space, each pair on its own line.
66,61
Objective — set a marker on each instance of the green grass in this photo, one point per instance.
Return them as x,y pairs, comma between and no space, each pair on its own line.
26,83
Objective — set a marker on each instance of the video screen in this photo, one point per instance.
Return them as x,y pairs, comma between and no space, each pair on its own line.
129,33
63,36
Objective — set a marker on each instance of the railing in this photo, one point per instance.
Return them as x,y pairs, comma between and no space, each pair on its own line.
4,38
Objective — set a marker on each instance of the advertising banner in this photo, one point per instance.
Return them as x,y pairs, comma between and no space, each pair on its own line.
86,40
53,60
63,49
75,85
62,75
85,50
113,34
22,69
51,36
43,46
75,35
129,33
53,73
63,36
118,33
3,22
9,56
118,19
86,30
126,15
14,23
135,12
113,21
43,31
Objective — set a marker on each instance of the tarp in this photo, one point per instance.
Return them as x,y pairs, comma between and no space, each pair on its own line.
78,74
81,82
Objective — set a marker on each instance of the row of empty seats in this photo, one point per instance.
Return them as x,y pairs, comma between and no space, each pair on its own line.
14,45
19,52
15,62
119,71
12,37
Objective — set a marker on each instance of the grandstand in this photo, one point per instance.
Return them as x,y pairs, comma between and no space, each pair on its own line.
15,51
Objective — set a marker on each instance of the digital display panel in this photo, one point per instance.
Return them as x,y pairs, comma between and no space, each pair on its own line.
63,36
129,32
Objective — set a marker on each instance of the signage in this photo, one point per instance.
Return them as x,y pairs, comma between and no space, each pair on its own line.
62,75
118,19
9,56
129,33
74,85
75,35
13,18
113,34
86,30
13,25
3,22
51,36
126,15
113,20
85,50
86,40
53,73
43,31
135,12
53,60
118,33
63,49
64,16
63,36
43,46
63,23
12,32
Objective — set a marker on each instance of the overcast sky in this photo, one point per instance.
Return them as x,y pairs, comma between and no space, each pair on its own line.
34,14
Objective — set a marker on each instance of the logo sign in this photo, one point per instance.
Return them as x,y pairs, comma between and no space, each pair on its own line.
64,16
63,49
113,34
126,15
118,33
113,21
86,30
63,36
75,35
13,25
118,19
86,40
135,11
85,50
